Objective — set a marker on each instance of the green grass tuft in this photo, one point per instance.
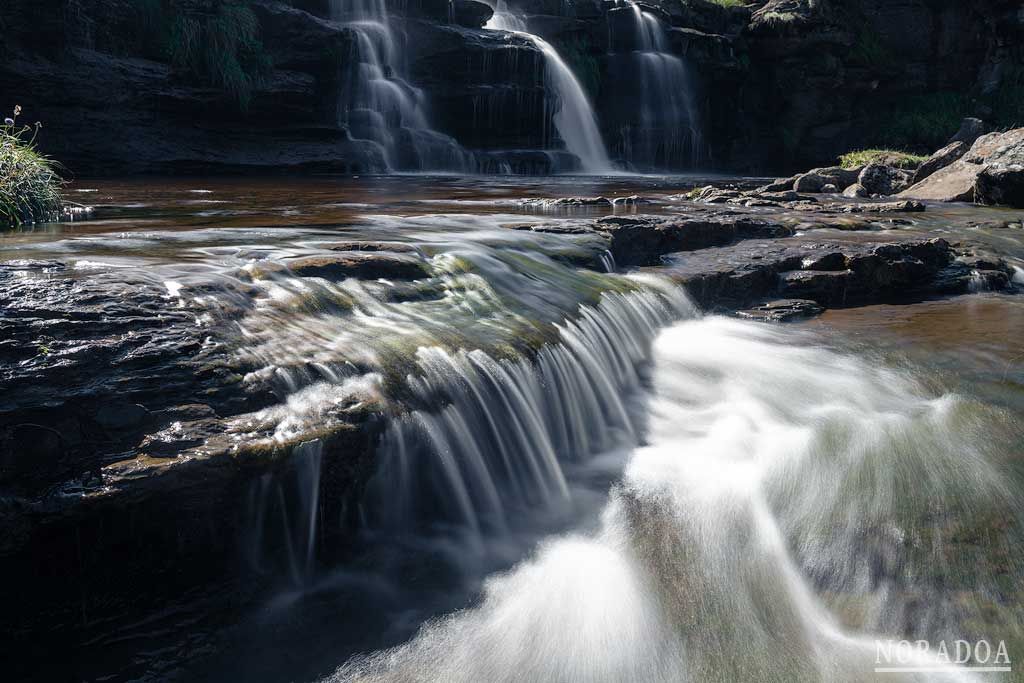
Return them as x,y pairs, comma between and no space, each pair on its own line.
863,157
29,183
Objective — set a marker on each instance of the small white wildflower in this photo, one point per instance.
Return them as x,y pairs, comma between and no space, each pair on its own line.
17,110
8,121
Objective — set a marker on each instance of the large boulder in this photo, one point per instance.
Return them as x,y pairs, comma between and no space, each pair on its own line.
989,173
883,180
941,159
1001,184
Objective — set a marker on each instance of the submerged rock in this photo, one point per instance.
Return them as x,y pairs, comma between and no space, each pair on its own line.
367,265
907,206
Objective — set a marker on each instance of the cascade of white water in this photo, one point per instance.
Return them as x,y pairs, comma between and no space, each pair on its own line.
573,114
498,446
781,485
663,129
376,104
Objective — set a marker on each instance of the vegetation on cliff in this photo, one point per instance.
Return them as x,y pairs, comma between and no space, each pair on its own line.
862,157
221,48
29,183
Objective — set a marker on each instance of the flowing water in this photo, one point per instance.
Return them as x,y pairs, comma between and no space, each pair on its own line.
582,477
572,112
663,129
376,104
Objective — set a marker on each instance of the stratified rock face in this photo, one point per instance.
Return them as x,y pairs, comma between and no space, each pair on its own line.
829,76
486,87
770,86
990,173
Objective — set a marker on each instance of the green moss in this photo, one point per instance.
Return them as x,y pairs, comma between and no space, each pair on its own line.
863,157
29,183
730,3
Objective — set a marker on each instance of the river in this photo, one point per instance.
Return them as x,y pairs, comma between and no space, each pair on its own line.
582,476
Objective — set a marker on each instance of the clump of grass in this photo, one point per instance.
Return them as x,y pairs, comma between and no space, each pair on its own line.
29,183
730,3
863,157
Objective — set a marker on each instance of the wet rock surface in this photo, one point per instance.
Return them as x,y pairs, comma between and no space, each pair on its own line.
359,264
128,447
833,275
643,240
782,310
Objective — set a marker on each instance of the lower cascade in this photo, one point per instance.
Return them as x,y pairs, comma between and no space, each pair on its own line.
776,485
498,449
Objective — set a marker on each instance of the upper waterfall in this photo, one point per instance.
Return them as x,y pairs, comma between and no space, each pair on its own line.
573,115
663,129
377,104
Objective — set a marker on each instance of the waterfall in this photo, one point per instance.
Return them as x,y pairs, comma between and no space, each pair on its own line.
376,104
780,485
283,507
573,114
654,94
498,447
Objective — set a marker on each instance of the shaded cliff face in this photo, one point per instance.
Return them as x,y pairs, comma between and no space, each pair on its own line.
825,76
182,86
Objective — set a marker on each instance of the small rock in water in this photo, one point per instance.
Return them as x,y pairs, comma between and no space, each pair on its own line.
855,191
909,206
782,310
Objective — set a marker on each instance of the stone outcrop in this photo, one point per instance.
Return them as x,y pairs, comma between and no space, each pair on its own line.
941,159
643,240
832,275
829,76
990,172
